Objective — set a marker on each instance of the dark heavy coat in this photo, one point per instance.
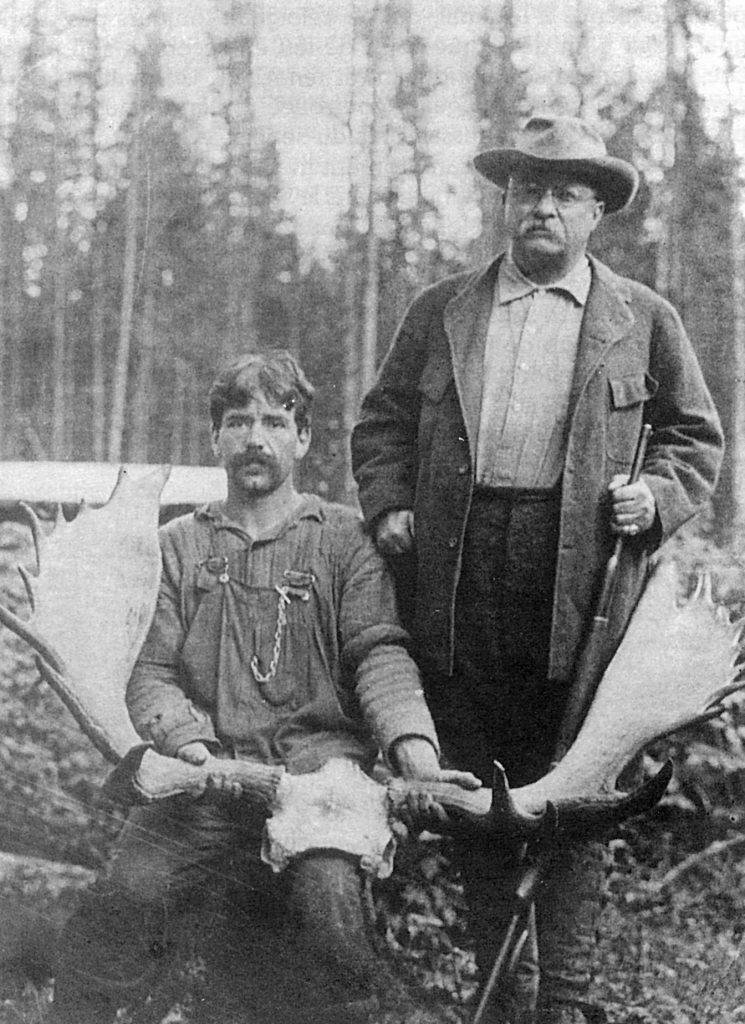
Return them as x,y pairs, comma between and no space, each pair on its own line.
415,444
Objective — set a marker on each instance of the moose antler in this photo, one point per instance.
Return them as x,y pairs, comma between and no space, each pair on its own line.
675,666
95,594
92,598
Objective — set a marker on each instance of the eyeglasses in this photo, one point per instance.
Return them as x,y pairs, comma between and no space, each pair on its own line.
530,193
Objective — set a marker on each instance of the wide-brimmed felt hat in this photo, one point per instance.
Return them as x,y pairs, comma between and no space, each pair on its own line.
565,145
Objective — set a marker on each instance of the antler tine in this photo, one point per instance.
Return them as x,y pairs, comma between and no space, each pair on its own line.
595,816
28,584
719,696
56,678
506,818
702,591
37,643
36,534
738,639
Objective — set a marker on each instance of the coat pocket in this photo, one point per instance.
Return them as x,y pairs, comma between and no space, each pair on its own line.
435,415
628,397
436,376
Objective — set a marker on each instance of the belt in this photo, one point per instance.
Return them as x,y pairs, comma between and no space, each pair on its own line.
516,495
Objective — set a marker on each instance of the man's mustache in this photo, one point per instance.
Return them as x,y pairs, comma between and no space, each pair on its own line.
252,458
538,225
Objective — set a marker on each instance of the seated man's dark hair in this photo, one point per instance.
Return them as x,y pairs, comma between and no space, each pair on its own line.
276,374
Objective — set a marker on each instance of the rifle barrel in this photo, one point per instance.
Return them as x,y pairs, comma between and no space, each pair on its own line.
591,660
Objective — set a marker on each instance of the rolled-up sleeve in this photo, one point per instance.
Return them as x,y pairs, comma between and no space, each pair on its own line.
160,710
374,648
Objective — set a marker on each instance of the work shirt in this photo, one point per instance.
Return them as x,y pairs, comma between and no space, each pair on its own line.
531,349
285,648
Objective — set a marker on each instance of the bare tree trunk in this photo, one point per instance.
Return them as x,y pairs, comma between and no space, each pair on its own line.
142,396
178,411
243,250
98,333
5,407
59,367
98,267
669,277
369,348
499,89
126,317
730,496
349,277
351,385
14,313
193,421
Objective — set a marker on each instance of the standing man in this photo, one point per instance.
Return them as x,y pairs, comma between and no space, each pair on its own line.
492,457
276,639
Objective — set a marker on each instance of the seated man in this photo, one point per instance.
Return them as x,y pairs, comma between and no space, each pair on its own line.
276,639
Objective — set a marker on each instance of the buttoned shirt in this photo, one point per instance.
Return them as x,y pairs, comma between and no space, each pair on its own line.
284,648
529,359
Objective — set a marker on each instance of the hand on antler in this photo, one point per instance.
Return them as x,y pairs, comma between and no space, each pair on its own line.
632,506
415,758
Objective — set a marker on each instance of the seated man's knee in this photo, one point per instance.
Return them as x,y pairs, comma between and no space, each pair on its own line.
328,908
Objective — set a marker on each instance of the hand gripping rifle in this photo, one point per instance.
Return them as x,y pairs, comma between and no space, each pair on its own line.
590,668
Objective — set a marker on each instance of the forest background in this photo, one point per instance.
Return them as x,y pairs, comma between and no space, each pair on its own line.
180,182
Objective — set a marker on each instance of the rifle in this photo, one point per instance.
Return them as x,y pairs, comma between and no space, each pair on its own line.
590,668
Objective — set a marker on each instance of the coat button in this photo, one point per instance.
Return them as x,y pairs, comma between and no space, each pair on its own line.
462,470
453,542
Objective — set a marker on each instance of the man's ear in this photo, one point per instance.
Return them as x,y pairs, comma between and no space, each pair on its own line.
303,442
213,441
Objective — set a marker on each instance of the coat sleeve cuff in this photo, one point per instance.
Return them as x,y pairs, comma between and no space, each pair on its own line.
671,511
169,735
391,698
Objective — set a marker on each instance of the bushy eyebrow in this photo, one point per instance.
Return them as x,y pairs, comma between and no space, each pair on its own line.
550,183
279,416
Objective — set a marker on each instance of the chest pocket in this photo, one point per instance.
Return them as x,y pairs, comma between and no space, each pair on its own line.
248,642
628,396
435,379
281,633
436,390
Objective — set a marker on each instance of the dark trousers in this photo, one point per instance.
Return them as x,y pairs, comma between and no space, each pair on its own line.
168,855
500,704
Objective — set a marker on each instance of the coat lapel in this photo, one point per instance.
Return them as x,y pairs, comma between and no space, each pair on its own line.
607,319
466,320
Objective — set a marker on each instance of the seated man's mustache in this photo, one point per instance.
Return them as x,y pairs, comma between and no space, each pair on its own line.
251,458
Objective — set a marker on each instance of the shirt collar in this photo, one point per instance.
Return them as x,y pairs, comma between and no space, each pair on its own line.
310,507
513,284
